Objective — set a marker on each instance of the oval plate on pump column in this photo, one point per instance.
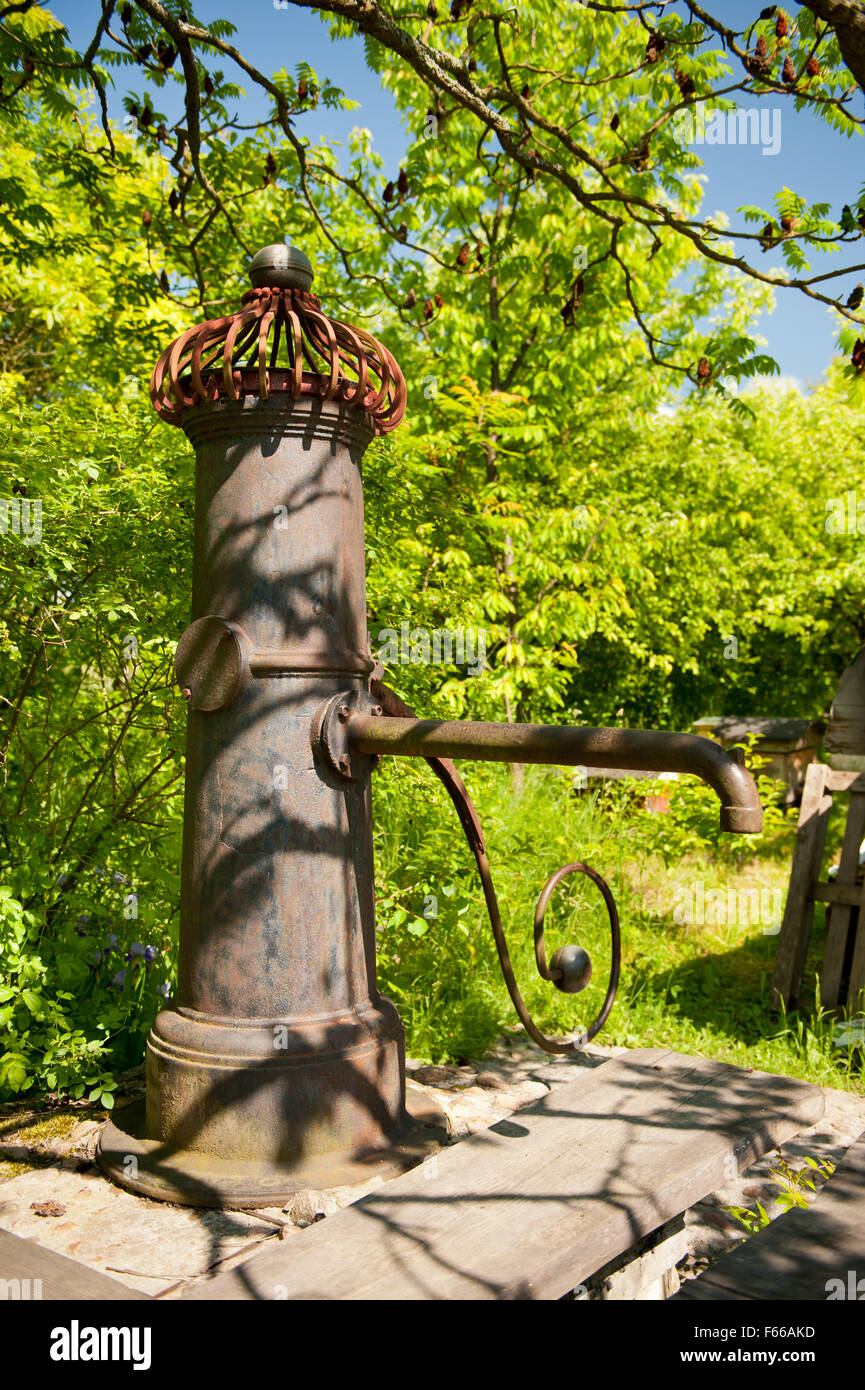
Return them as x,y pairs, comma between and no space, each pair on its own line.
212,663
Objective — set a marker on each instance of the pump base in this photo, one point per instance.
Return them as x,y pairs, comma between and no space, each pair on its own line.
154,1169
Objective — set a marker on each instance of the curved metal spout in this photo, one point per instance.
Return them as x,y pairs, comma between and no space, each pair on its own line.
644,750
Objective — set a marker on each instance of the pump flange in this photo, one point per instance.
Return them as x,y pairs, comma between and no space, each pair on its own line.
329,734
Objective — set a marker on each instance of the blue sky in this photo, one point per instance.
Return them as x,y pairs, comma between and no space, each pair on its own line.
813,159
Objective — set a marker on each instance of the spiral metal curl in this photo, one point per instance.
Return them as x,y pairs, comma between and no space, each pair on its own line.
279,341
615,937
453,784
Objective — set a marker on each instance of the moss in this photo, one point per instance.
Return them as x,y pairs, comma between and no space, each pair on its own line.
14,1170
33,1128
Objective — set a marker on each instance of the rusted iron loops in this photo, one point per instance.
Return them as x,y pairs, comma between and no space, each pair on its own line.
280,340
453,784
570,968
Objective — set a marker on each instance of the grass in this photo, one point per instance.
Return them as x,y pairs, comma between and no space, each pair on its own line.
699,986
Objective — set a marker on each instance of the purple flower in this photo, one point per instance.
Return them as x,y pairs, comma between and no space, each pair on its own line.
150,954
136,949
110,945
119,979
165,989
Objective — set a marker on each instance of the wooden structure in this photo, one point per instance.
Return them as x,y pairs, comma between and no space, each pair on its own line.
808,1255
536,1204
787,746
842,978
31,1273
528,1209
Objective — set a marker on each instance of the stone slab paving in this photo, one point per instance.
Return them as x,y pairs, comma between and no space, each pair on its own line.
160,1249
147,1245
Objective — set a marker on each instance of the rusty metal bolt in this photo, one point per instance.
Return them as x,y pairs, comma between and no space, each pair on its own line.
342,713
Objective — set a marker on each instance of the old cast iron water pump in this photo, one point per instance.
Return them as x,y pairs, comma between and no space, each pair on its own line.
281,1066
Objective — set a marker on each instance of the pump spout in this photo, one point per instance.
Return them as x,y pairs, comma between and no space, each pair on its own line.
644,750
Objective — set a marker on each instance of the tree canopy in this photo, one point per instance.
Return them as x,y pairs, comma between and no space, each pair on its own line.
597,115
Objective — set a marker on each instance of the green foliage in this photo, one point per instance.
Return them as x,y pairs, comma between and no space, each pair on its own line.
71,1012
793,1184
91,726
631,565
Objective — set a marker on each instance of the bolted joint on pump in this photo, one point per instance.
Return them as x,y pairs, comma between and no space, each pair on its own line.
329,734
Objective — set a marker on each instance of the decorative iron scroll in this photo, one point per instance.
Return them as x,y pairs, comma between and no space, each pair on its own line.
279,341
455,787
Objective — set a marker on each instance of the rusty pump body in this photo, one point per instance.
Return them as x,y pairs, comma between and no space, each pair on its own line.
281,1066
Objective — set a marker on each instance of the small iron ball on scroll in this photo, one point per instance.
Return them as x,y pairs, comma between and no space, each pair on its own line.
570,969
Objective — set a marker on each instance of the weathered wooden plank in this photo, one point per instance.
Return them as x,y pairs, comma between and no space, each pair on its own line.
25,1261
795,1258
839,925
530,1207
849,894
856,983
853,897
844,781
799,908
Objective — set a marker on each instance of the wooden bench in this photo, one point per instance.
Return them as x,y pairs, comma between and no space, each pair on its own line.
797,1258
534,1205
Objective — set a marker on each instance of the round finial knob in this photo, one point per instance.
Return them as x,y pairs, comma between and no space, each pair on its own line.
280,267
573,967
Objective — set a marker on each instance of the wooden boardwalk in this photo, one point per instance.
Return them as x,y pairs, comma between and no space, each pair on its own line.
31,1272
803,1256
534,1205
527,1209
